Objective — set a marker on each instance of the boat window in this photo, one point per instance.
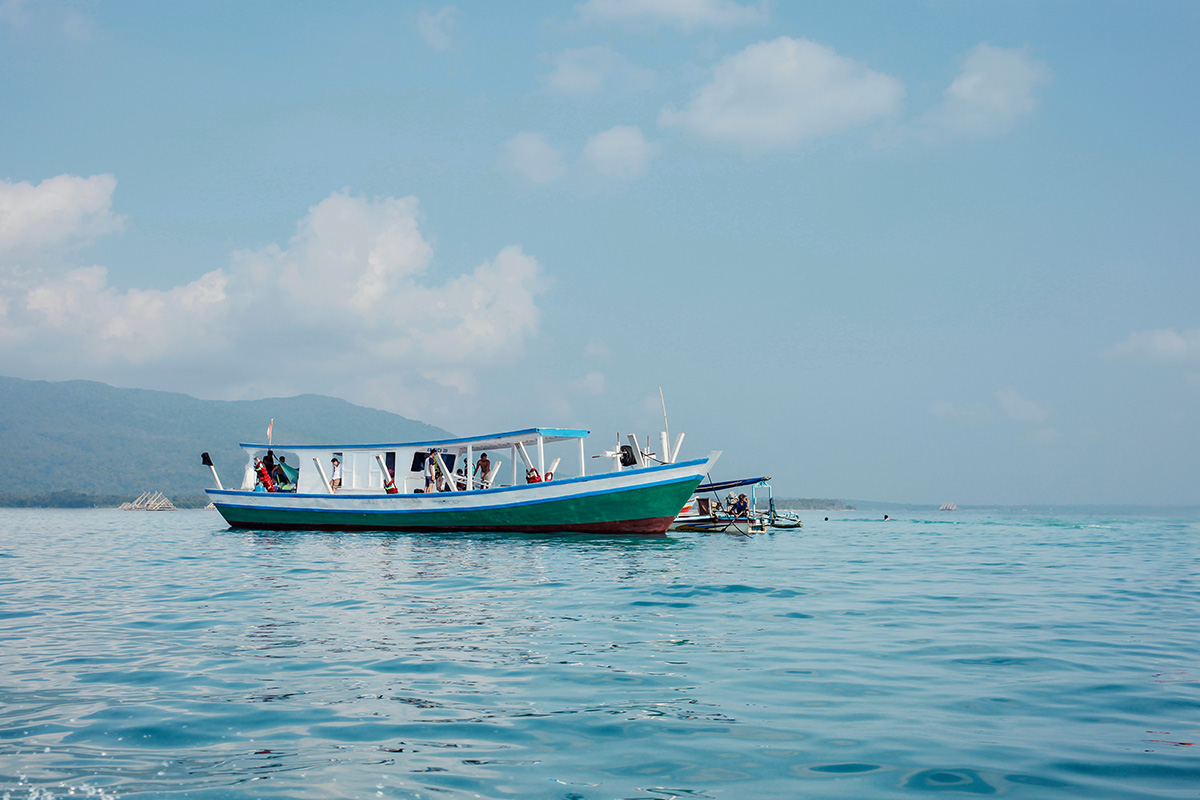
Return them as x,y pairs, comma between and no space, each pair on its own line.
419,458
389,461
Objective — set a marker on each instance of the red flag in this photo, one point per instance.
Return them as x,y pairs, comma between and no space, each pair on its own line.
271,425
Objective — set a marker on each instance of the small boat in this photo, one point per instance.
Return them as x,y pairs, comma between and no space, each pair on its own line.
414,486
948,507
708,514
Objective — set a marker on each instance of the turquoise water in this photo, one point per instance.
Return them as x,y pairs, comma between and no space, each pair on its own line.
938,655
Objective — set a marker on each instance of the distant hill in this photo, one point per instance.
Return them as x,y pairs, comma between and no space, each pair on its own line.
91,438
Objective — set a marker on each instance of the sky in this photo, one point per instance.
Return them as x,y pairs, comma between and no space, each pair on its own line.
902,251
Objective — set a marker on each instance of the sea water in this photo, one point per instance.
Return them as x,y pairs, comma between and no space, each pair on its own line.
940,654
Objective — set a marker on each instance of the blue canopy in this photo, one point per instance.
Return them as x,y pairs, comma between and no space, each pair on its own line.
723,485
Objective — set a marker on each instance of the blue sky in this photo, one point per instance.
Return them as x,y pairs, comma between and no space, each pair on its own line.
920,252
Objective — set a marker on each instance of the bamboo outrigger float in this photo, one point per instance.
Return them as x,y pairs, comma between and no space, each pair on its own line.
436,486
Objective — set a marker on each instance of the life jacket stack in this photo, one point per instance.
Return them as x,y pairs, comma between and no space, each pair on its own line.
264,477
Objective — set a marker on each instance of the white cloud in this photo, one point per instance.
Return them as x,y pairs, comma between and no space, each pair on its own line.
437,28
359,267
620,153
58,211
347,254
530,157
778,94
684,14
349,298
1020,409
598,350
994,90
133,327
590,70
1165,346
1010,405
975,416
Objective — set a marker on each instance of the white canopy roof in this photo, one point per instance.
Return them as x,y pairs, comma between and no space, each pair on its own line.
527,436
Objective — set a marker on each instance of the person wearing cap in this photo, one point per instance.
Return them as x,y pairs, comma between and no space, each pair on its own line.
336,482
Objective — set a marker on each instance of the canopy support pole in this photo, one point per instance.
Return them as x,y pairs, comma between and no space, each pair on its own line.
321,472
437,459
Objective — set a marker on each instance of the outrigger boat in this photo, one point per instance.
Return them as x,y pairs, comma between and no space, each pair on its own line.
708,515
415,486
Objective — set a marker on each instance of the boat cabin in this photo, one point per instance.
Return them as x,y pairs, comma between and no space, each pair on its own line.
448,465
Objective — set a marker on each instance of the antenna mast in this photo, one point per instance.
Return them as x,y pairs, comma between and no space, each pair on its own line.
666,427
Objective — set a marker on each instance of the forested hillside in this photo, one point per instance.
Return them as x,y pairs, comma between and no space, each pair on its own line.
83,436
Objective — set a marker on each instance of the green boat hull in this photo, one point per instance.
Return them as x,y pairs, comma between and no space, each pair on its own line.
639,509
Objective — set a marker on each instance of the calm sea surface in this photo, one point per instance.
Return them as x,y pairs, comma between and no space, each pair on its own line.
937,655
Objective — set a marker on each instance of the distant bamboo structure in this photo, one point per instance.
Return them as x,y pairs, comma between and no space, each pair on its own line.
149,501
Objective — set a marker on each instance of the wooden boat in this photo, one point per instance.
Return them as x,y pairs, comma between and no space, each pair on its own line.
707,514
435,486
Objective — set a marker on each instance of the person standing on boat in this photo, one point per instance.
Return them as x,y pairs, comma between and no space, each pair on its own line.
336,482
433,474
482,467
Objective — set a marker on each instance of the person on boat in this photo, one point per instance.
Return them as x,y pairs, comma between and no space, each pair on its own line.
277,470
269,462
482,467
460,478
741,507
335,483
434,481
